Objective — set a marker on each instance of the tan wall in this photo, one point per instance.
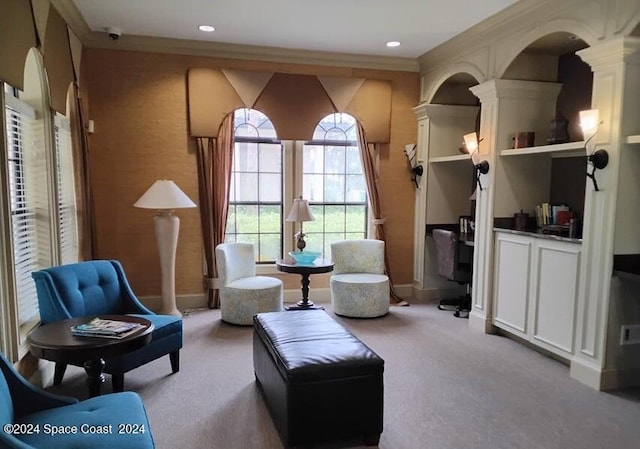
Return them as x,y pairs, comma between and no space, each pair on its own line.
138,102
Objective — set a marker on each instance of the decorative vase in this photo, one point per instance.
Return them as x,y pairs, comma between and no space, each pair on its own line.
558,132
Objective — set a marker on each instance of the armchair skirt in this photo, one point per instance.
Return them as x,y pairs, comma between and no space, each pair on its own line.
372,291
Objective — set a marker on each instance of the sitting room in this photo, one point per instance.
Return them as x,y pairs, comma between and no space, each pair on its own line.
396,225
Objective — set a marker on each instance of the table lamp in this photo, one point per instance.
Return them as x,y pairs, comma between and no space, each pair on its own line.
164,195
301,212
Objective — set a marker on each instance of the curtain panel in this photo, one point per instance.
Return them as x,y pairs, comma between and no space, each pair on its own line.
368,153
215,156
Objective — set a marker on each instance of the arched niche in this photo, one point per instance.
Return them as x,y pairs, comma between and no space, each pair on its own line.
453,111
452,87
455,90
552,58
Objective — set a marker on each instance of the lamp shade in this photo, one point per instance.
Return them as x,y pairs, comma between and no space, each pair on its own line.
300,211
164,194
589,122
471,142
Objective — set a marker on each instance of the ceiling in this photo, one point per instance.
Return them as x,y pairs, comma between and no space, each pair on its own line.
338,26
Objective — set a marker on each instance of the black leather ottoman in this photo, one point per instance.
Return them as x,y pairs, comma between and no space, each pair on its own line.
318,380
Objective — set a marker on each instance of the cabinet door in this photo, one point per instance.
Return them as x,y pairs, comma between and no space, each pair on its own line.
512,265
555,279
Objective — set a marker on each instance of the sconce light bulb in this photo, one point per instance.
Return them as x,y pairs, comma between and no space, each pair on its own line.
589,122
471,142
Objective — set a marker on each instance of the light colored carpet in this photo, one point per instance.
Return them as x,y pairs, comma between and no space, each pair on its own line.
446,387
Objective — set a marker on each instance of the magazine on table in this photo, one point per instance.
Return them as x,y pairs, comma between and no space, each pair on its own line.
99,327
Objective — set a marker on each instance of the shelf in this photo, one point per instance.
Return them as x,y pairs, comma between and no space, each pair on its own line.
545,149
633,139
454,158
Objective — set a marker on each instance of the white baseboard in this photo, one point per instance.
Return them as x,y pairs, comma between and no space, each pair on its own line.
293,295
481,323
603,379
192,301
587,373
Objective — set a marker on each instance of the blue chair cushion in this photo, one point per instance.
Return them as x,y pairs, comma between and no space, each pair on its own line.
163,325
85,289
6,410
99,422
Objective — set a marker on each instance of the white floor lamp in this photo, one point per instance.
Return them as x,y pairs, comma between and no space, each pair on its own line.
165,195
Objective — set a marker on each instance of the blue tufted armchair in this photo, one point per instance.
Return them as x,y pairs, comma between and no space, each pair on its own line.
38,413
100,287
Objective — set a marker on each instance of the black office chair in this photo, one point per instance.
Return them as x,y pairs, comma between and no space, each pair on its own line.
450,266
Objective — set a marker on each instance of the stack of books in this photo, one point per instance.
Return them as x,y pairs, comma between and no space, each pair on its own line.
547,214
98,327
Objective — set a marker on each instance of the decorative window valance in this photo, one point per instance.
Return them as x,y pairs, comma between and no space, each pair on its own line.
294,103
57,60
17,36
21,28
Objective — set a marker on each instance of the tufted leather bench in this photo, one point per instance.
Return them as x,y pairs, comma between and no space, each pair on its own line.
318,380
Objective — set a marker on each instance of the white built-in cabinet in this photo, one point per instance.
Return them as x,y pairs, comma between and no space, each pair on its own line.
536,290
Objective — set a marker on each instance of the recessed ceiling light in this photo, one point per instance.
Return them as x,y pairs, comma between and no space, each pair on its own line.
207,28
393,44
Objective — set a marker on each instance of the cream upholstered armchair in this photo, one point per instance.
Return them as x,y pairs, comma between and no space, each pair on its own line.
242,293
359,287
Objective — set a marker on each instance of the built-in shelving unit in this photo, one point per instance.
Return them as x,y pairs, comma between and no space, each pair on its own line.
455,158
633,139
545,149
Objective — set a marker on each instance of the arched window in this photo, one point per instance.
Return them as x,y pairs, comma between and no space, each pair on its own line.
267,174
334,184
255,203
28,159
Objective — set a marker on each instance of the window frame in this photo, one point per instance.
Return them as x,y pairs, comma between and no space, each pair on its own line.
13,335
258,202
292,179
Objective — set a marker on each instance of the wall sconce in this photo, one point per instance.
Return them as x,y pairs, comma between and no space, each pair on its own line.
589,122
416,170
471,142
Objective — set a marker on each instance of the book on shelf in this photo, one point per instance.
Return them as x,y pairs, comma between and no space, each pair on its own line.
99,327
547,214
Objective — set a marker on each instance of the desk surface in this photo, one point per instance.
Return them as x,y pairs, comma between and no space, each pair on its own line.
467,239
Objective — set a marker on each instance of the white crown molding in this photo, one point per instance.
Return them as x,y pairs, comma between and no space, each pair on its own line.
622,49
95,39
520,89
71,14
248,52
426,110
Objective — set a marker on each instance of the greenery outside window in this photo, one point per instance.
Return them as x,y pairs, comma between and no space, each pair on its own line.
268,173
334,184
255,200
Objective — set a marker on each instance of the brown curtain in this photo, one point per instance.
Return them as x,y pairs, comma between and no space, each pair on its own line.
367,154
84,198
214,178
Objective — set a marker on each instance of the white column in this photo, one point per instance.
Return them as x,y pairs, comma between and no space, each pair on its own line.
506,107
616,70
